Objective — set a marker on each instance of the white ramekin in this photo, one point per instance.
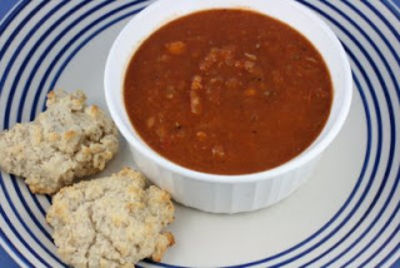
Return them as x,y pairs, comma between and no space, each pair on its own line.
218,193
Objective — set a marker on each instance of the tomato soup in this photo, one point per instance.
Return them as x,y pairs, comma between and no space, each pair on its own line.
227,91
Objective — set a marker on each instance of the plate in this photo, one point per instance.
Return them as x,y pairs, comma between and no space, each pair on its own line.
348,214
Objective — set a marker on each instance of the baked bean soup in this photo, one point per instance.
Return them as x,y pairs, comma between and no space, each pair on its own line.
227,92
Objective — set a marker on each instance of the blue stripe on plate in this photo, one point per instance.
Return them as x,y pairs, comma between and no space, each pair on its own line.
4,188
15,185
74,39
372,177
5,24
17,52
392,132
10,245
81,45
378,216
386,22
392,235
29,80
52,44
33,108
17,234
24,203
13,90
14,34
40,41
391,253
11,15
87,40
37,65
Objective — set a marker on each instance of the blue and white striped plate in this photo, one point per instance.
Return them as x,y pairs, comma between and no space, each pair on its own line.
346,215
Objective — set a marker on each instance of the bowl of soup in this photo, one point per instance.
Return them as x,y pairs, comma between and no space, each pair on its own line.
227,104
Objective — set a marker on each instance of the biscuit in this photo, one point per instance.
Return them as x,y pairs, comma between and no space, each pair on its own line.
111,222
69,140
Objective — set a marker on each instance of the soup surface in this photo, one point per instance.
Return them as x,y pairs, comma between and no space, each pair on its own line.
227,92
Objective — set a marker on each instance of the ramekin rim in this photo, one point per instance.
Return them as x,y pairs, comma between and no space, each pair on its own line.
292,164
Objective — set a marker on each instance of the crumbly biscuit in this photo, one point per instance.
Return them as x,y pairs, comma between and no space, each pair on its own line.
111,222
69,140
